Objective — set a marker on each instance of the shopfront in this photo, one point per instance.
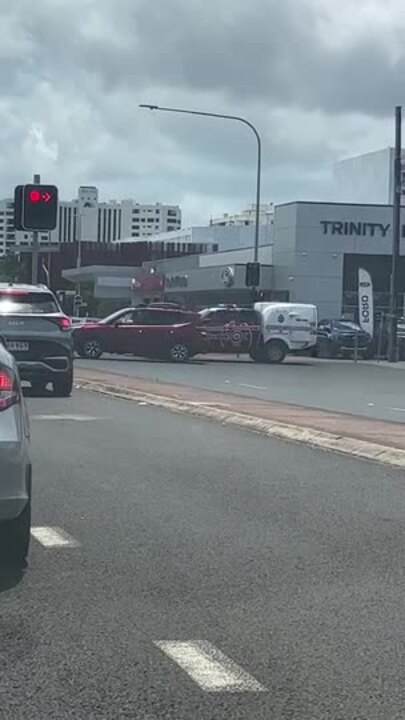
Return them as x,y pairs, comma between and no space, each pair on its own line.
199,286
319,248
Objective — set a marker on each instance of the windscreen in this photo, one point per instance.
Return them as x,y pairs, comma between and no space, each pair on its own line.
346,325
27,303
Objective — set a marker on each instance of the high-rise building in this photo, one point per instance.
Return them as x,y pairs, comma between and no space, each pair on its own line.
88,220
367,179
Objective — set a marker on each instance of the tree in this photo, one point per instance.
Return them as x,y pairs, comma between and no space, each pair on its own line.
12,269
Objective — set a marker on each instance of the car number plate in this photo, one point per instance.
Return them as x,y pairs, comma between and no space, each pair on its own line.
14,346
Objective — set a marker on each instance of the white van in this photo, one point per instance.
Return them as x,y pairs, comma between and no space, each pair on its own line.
286,328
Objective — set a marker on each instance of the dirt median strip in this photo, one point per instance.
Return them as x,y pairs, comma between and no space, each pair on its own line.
225,408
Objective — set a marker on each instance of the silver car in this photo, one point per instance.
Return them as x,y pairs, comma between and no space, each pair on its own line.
15,464
39,335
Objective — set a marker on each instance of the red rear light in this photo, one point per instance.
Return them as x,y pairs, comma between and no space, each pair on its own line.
9,393
13,293
64,322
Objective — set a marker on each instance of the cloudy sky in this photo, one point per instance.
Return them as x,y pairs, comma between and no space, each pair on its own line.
319,78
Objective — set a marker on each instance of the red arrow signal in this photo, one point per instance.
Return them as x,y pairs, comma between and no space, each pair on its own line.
46,197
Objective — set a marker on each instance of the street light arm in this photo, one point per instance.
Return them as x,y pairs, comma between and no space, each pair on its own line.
235,118
204,114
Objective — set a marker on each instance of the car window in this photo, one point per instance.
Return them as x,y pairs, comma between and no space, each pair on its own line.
217,317
27,303
247,316
159,317
126,319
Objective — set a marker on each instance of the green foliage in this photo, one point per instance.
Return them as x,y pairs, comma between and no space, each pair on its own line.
12,269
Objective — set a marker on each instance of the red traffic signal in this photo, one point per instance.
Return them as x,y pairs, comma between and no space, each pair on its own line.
35,207
36,196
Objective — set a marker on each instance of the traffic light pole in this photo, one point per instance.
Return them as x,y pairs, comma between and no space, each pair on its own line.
396,234
35,245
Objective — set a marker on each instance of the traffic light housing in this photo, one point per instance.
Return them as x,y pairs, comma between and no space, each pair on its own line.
35,207
252,277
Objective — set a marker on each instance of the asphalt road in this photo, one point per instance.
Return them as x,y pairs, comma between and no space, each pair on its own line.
188,547
343,386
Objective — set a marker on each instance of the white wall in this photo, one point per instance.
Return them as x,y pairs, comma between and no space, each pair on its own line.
231,257
364,179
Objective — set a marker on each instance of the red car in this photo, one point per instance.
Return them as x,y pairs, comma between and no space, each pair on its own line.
148,331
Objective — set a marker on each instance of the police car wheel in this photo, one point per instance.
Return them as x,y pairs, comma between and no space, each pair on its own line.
258,355
275,352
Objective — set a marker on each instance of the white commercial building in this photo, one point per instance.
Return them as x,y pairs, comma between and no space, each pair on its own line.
247,217
367,178
228,237
89,220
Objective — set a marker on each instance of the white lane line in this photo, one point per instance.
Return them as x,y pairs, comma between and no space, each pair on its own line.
397,409
53,537
209,667
254,387
75,418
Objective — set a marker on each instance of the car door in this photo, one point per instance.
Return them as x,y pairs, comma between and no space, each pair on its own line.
324,334
246,330
124,335
214,324
156,333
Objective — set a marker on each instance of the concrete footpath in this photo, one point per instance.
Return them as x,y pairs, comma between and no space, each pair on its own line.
377,440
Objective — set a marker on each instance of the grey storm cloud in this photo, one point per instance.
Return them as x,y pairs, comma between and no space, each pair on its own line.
319,79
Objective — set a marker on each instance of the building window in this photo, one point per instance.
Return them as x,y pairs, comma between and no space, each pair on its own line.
172,213
114,236
60,225
104,224
99,226
135,234
135,212
108,225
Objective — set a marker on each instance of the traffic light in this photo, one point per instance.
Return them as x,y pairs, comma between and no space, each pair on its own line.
35,207
252,276
18,203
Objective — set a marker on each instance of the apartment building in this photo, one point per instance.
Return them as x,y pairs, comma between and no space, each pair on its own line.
88,220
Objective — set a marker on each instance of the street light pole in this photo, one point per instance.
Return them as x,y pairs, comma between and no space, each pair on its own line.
396,234
259,156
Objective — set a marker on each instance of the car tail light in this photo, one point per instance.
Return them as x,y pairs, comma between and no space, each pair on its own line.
64,322
9,392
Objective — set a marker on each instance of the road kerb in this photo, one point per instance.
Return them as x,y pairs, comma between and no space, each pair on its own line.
316,438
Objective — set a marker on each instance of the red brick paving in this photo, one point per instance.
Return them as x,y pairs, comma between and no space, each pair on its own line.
377,431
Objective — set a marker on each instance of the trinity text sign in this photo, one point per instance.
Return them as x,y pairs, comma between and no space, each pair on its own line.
361,229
